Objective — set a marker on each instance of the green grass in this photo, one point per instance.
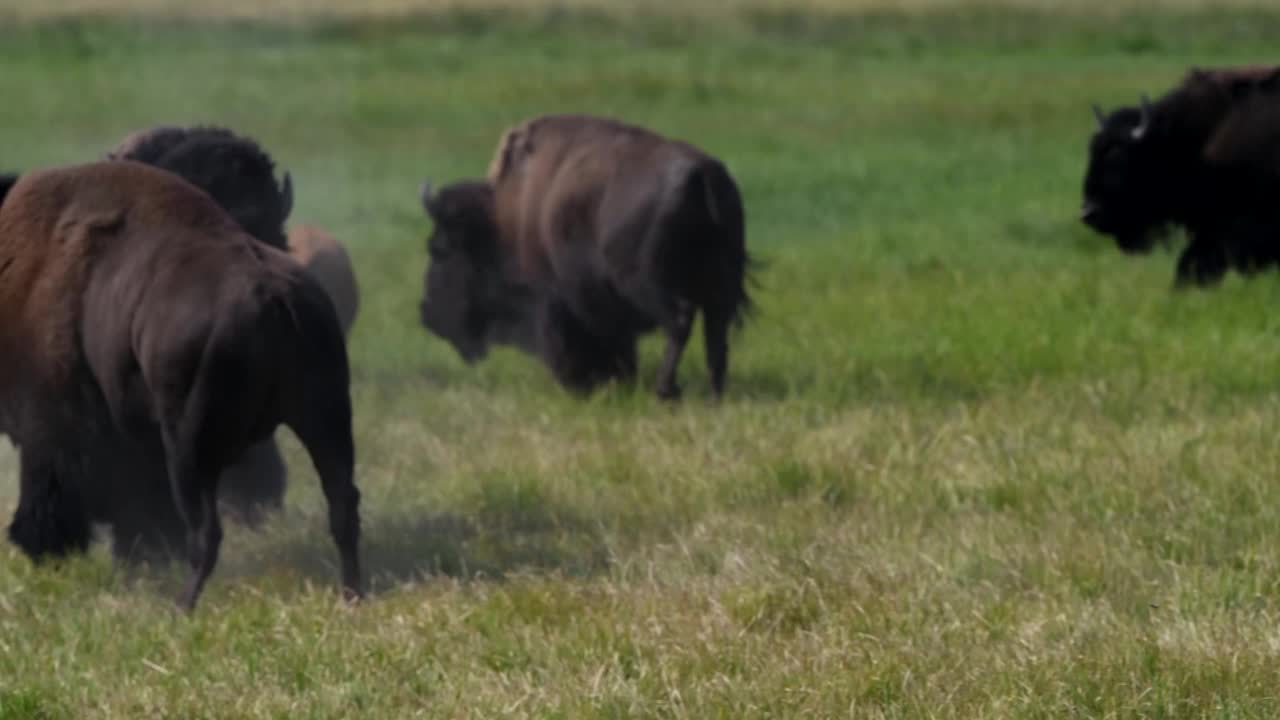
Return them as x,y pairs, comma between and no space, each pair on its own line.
973,463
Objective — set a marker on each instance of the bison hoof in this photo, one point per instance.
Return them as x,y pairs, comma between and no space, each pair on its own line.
669,391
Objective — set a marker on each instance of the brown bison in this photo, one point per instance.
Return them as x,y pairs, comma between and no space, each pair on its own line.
327,260
1202,157
240,176
587,233
138,320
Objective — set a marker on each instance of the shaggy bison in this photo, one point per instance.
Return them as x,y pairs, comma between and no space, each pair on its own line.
327,260
138,321
587,233
1202,157
233,169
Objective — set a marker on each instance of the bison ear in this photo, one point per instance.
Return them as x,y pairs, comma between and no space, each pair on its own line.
286,196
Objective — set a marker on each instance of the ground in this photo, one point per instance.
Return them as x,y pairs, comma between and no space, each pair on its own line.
973,461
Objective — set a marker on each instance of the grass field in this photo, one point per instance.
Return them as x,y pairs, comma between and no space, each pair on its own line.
973,463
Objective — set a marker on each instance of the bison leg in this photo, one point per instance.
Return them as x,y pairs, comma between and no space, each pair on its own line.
135,497
326,434
1201,264
149,532
715,336
254,485
195,491
50,518
678,327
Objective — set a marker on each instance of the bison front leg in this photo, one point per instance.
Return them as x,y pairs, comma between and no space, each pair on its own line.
678,326
50,519
1201,264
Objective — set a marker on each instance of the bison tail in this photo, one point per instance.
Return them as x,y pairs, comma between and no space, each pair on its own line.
7,181
726,268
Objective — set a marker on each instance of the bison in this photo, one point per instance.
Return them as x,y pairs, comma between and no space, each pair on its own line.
240,176
327,260
588,232
141,325
233,169
1201,157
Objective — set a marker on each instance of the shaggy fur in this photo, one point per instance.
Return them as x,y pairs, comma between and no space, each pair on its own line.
1201,157
233,169
327,260
587,233
141,327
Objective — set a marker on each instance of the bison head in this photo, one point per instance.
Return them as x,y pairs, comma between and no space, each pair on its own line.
463,296
240,177
1124,185
234,170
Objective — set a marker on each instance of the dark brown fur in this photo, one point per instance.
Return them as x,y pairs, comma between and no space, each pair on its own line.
588,232
140,325
239,175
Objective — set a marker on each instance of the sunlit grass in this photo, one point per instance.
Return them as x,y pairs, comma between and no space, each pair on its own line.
973,461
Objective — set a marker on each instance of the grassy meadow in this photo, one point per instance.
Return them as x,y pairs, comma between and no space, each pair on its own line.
973,462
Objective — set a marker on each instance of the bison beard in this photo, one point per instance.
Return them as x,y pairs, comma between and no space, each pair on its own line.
1202,157
587,233
141,329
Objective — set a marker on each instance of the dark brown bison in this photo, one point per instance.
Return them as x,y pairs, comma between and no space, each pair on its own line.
327,260
138,321
1202,157
232,168
587,233
240,176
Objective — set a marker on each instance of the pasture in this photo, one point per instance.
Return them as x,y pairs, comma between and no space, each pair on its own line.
972,461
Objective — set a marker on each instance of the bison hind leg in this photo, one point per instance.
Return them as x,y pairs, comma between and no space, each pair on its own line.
678,325
50,520
323,425
581,359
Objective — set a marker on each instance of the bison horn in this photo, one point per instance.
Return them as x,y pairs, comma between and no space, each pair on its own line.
286,196
424,195
1145,120
1101,116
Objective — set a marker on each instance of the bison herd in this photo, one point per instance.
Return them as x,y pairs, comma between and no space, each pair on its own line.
159,320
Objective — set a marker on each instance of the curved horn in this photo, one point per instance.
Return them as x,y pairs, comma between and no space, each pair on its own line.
1145,121
1101,116
424,195
286,196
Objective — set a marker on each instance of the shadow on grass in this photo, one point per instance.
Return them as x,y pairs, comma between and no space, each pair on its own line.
403,548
